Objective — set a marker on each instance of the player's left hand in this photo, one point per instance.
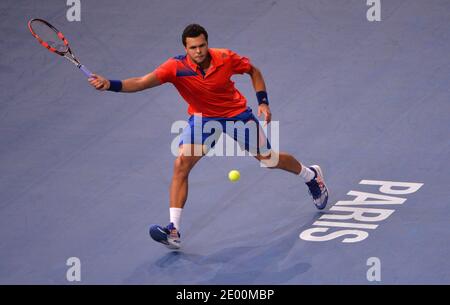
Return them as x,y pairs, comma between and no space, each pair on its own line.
264,109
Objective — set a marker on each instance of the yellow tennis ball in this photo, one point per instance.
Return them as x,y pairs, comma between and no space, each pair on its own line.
234,175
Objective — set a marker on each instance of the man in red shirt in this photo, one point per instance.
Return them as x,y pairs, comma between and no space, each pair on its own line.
202,77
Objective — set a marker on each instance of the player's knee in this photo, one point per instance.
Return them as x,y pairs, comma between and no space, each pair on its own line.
183,165
269,159
188,150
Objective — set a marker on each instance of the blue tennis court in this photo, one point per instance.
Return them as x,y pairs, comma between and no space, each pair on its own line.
83,173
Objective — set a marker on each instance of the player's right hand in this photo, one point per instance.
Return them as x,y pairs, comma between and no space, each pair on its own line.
99,82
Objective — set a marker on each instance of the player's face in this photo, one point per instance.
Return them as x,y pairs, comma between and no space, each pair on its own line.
197,48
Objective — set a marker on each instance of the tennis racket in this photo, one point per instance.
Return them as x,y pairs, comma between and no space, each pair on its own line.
53,40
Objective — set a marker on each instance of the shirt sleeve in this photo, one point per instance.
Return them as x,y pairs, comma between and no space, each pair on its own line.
166,72
239,63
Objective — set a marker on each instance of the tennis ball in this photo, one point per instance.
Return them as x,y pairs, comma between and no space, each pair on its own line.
234,175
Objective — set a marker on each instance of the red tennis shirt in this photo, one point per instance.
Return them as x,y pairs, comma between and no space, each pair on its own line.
212,94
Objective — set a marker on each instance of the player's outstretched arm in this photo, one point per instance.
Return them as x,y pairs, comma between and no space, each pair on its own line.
128,85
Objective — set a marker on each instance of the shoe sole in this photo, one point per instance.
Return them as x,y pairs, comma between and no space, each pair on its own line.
172,246
319,171
156,236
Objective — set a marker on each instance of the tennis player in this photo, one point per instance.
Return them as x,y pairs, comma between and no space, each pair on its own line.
202,78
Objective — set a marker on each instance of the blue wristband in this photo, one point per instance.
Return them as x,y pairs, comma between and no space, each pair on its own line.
262,97
115,85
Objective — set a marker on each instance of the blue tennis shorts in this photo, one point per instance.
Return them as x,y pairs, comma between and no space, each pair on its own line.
243,128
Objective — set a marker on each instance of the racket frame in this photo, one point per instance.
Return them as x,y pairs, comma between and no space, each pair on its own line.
67,54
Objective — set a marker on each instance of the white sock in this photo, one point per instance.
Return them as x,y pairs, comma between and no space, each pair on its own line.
175,217
306,174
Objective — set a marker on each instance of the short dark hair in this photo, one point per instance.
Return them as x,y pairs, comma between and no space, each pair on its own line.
193,30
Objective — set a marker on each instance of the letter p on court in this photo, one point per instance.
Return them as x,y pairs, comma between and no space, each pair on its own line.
387,187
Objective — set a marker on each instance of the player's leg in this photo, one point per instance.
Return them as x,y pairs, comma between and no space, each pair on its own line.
191,149
281,160
189,155
312,176
253,139
247,132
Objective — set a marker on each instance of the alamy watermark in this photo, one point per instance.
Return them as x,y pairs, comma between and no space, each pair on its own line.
374,272
374,12
74,11
228,138
73,274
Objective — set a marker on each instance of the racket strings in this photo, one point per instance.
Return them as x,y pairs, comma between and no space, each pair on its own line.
48,37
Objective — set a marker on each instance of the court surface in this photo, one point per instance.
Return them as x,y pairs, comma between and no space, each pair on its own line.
84,173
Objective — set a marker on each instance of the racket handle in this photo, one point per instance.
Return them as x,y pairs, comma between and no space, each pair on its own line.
85,71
